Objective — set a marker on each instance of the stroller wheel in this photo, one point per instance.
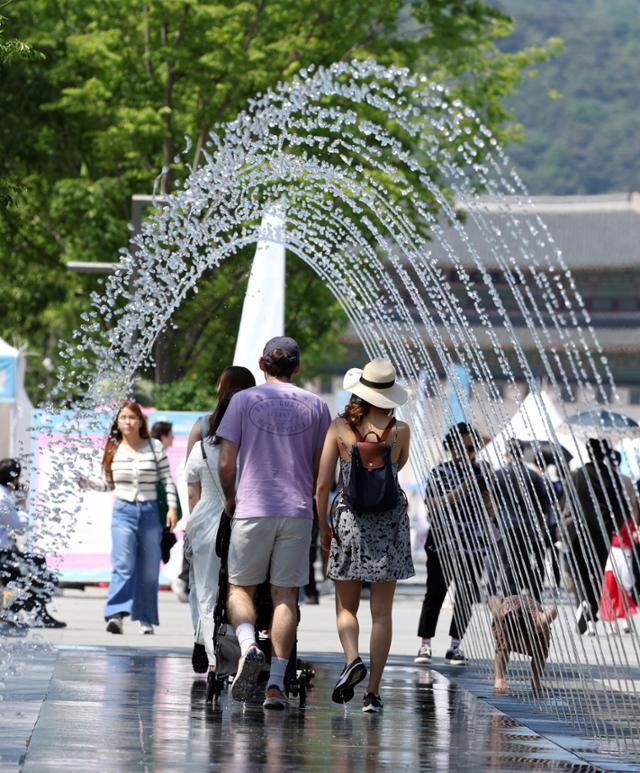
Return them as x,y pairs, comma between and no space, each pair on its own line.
306,671
303,693
213,687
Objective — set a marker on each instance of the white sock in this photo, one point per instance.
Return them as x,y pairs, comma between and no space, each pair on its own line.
278,668
426,642
246,635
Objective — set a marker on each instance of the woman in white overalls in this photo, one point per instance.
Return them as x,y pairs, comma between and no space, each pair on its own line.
206,503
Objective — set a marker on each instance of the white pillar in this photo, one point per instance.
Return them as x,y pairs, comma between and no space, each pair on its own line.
263,308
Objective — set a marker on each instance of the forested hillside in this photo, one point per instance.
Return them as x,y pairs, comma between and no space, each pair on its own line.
587,138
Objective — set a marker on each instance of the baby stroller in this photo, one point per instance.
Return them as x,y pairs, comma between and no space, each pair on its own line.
298,675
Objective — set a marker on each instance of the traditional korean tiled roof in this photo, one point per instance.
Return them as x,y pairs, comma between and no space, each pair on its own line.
592,232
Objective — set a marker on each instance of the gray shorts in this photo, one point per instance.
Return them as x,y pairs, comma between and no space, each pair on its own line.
278,545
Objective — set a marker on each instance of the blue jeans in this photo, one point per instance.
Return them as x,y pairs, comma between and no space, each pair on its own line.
135,561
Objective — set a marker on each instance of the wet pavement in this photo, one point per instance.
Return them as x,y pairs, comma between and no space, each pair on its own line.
81,699
121,709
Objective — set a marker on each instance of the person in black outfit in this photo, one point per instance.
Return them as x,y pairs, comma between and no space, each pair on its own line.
24,573
458,543
603,497
551,475
523,513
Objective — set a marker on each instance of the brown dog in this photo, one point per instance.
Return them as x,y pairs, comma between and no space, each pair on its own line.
521,624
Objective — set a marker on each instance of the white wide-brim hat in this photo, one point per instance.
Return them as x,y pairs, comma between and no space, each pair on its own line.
376,383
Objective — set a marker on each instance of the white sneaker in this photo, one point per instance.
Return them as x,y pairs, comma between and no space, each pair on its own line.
180,589
145,628
249,668
626,628
591,628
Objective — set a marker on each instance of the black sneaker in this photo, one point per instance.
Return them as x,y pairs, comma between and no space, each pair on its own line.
199,659
582,617
423,657
114,624
352,674
45,620
455,657
372,704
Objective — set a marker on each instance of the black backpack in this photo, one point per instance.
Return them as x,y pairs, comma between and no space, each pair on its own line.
372,487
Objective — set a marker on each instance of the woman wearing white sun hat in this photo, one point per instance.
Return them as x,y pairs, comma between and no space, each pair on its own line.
366,546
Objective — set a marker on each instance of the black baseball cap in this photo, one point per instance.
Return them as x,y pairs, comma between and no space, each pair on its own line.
285,344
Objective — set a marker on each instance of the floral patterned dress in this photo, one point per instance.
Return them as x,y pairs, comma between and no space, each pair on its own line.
372,547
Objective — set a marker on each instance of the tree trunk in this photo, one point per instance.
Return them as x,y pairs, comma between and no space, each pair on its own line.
167,117
165,369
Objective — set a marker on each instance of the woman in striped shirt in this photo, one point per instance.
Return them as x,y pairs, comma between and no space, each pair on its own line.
132,464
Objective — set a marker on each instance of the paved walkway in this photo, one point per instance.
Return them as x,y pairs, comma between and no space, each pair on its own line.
123,709
82,699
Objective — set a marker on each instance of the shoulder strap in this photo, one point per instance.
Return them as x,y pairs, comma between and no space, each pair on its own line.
213,477
356,432
153,451
379,438
387,430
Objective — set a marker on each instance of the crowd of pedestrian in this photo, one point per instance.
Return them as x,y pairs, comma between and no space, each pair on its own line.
496,527
271,466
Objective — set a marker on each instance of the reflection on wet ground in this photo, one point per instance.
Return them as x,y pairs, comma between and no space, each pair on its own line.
127,709
575,702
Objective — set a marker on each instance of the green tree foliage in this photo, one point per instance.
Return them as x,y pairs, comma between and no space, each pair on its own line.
584,139
12,49
124,81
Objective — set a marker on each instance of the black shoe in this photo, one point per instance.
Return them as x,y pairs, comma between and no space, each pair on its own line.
45,620
114,623
199,659
423,657
372,704
311,598
352,674
582,617
455,657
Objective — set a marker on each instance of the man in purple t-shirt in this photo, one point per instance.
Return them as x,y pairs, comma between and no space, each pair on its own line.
277,430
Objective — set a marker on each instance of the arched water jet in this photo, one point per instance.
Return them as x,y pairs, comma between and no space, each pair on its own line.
361,203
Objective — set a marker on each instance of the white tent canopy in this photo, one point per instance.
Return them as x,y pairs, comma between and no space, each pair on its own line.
538,418
15,407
